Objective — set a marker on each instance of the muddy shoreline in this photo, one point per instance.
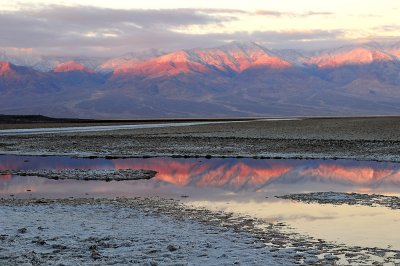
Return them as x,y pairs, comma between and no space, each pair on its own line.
370,139
339,198
83,174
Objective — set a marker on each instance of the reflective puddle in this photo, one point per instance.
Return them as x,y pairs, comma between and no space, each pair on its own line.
245,186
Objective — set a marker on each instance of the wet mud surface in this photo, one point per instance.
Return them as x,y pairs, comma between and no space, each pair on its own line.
338,198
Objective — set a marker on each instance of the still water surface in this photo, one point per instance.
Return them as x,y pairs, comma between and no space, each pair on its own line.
244,186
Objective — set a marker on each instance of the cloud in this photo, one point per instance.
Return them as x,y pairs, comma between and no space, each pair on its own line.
148,18
307,39
383,40
367,15
81,27
270,13
306,35
388,28
66,30
313,13
291,14
217,10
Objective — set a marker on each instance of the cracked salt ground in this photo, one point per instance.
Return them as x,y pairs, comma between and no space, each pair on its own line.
158,231
108,234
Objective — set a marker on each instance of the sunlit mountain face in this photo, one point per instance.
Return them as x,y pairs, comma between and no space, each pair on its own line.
72,66
232,174
362,55
5,69
237,79
234,58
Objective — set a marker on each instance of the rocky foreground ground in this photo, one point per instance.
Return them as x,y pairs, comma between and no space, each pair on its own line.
153,231
351,138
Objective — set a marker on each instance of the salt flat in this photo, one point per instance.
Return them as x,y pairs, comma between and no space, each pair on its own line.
373,138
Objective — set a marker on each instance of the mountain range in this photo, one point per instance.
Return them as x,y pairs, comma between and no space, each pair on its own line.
237,79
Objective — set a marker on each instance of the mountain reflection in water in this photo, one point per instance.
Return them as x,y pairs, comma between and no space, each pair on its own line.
230,174
244,186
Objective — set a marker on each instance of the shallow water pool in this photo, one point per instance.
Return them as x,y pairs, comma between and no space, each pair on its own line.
245,186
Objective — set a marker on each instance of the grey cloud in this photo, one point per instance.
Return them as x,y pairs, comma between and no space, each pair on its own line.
94,31
147,17
313,13
217,10
56,27
291,14
369,16
270,13
282,38
384,39
99,17
271,39
390,28
298,35
306,40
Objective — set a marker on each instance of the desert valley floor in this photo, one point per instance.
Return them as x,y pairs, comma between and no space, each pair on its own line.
321,191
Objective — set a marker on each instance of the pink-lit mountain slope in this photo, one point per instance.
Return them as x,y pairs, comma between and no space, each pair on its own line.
128,60
71,66
238,57
16,80
237,79
233,58
6,70
350,55
394,50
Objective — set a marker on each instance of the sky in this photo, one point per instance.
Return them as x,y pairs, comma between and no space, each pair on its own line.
112,28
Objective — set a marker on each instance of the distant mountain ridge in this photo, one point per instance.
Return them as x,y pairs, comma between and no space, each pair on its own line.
237,79
364,53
